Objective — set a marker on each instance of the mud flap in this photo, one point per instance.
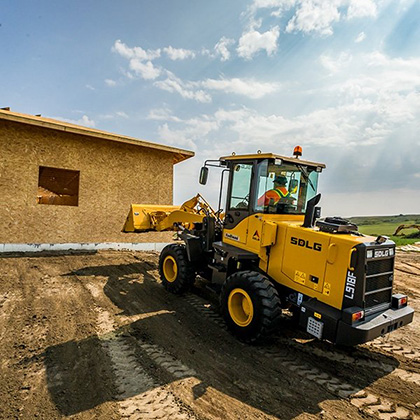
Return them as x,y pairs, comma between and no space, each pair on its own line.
194,246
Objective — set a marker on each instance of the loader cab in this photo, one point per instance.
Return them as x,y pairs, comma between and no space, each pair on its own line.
269,184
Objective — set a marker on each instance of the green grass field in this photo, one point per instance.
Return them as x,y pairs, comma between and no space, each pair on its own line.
386,225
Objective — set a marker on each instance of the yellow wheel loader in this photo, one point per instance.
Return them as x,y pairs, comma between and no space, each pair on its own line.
271,251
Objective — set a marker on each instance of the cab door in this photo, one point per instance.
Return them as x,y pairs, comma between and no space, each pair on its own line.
238,202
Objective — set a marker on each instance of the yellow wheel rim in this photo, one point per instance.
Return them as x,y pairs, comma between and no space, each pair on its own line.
170,269
240,307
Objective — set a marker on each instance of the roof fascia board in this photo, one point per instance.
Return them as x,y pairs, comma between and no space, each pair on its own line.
178,154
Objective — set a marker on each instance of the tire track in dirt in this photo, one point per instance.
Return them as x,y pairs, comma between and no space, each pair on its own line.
33,333
409,268
380,407
337,356
365,401
341,357
25,332
140,396
389,347
171,364
8,302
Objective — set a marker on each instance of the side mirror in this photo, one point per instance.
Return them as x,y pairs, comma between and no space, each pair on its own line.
204,174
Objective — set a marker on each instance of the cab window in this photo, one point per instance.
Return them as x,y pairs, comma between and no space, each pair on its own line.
284,188
241,183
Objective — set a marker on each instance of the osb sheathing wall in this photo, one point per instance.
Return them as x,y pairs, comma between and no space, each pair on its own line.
112,176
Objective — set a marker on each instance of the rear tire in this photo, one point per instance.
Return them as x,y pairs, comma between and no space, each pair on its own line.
250,305
176,271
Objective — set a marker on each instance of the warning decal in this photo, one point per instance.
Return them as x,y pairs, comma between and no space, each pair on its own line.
256,236
300,277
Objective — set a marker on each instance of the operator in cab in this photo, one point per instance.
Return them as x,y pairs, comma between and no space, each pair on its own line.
277,194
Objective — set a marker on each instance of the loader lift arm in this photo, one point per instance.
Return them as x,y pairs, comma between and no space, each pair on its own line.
149,217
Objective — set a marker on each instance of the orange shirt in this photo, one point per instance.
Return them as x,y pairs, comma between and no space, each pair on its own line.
276,194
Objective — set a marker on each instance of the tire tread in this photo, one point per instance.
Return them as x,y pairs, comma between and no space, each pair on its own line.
267,296
186,272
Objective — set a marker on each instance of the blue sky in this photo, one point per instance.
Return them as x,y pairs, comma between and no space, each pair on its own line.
341,78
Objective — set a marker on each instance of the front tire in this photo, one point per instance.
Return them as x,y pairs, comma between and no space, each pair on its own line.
176,271
250,305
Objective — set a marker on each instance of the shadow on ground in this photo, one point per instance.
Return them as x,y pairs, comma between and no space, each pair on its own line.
80,377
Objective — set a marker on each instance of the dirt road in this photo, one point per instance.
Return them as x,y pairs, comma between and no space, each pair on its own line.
96,336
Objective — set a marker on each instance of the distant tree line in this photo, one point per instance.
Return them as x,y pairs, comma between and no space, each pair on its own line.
376,220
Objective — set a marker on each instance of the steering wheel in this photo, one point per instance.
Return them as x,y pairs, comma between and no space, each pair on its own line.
242,205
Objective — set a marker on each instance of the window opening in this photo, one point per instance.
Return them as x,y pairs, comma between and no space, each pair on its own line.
58,186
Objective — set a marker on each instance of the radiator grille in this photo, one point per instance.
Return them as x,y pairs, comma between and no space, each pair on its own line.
380,266
379,282
378,298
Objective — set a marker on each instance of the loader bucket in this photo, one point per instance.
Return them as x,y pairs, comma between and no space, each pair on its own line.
143,218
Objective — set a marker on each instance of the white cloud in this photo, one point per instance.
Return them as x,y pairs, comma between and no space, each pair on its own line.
334,64
359,140
376,75
146,70
186,89
85,121
279,5
314,16
222,48
188,136
198,91
361,37
252,42
90,87
178,53
361,8
205,52
122,114
270,4
177,137
367,134
122,49
110,82
113,116
136,52
247,87
231,115
140,60
162,114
